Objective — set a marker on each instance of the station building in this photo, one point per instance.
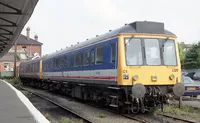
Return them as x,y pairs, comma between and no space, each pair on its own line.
27,47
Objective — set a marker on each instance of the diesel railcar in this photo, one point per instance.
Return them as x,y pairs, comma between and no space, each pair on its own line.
135,67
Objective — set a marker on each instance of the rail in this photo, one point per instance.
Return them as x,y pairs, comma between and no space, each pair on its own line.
59,105
176,118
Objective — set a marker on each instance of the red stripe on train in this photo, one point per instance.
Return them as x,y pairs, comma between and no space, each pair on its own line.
84,77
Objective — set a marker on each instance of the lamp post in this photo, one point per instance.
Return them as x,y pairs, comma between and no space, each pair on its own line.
15,60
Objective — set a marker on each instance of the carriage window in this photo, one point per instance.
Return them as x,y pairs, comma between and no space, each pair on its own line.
77,59
169,54
64,60
113,53
60,62
68,61
133,51
34,67
99,55
92,57
86,57
54,64
57,63
72,60
152,51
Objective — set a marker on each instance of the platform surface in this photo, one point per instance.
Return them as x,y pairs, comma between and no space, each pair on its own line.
12,109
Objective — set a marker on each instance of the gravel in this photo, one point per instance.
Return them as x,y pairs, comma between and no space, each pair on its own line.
55,112
89,112
92,113
189,102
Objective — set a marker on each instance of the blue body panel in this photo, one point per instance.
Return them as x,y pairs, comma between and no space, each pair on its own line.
106,58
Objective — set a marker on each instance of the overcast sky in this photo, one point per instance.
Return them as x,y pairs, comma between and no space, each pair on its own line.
60,23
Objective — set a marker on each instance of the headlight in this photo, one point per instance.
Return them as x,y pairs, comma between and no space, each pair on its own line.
154,78
135,77
125,76
171,77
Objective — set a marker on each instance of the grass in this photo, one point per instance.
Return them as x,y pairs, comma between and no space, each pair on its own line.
47,116
14,81
101,115
61,120
183,111
67,120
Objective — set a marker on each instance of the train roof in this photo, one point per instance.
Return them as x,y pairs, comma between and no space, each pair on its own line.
30,61
134,27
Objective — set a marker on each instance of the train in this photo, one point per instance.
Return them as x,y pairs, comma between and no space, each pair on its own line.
133,68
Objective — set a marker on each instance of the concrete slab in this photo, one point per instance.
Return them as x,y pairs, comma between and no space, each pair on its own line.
12,107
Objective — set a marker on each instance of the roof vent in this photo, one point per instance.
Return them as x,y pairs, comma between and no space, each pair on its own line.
28,33
36,37
97,35
125,24
148,27
77,42
87,39
110,30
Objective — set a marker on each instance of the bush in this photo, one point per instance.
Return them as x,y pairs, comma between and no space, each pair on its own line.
14,81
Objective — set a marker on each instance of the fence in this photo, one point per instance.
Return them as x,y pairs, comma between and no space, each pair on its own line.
190,70
6,74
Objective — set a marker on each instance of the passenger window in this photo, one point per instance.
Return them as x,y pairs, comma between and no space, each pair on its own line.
92,57
68,61
99,55
72,60
113,53
86,57
54,64
77,59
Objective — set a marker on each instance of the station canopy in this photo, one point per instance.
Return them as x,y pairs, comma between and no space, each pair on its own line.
14,14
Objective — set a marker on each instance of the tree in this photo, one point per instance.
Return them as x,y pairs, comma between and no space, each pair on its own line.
192,57
181,54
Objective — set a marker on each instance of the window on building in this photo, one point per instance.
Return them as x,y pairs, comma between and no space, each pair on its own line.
113,53
86,57
99,55
24,48
6,66
77,59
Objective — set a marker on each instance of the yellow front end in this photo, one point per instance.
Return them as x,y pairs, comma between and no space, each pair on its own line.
40,68
158,74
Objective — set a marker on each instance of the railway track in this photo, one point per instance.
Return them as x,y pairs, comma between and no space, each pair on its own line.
135,118
178,119
191,99
59,105
124,115
89,104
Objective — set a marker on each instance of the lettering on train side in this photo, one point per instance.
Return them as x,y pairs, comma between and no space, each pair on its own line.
124,71
98,73
175,70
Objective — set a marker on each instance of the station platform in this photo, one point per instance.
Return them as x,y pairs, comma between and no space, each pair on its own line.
16,108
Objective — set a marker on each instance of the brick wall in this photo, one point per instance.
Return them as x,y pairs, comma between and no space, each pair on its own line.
30,49
11,65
